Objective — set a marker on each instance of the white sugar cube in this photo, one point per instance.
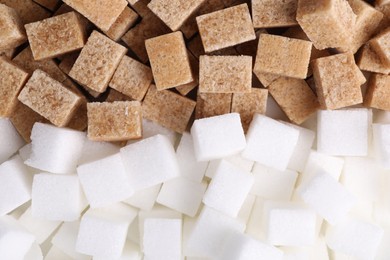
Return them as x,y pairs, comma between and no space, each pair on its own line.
56,254
150,162
144,199
343,132
35,252
54,149
273,184
131,251
217,137
270,142
255,226
237,160
327,197
150,128
381,133
295,253
162,238
105,181
93,151
57,197
15,185
355,238
10,140
246,209
302,149
189,167
228,189
182,195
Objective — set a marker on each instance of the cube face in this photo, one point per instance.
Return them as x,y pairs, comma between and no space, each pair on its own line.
169,60
381,46
268,13
215,36
97,62
12,34
370,61
212,104
377,95
302,149
282,56
55,36
125,20
381,140
225,74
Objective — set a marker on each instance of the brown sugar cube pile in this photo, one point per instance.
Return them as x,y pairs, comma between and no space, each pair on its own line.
295,98
11,28
282,56
271,13
97,62
338,81
116,121
225,28
12,79
28,10
125,20
174,12
248,104
132,78
49,98
369,61
168,109
378,92
212,104
225,74
381,45
55,36
169,60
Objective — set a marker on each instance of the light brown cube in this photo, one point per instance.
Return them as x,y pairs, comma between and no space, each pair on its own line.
116,121
12,79
100,12
49,4
225,28
132,78
225,74
125,20
327,23
168,109
271,13
212,104
378,92
174,12
369,61
295,98
187,88
27,10
385,10
338,81
248,104
196,47
169,60
55,36
97,62
282,56
11,28
381,45
49,98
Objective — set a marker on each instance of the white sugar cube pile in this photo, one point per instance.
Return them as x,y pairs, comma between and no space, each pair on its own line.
277,192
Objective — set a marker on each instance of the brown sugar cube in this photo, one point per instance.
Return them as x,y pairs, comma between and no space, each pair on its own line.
266,78
12,79
327,23
168,109
27,10
132,78
378,92
49,4
125,20
381,45
97,62
169,60
225,74
212,104
195,46
295,98
369,61
225,28
270,13
114,95
385,10
186,88
116,121
338,81
55,36
282,56
102,13
11,28
49,98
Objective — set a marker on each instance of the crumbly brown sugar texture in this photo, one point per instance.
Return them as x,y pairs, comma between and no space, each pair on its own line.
225,28
97,62
27,10
12,79
196,47
169,60
282,56
295,98
271,13
378,92
55,36
116,121
212,104
187,88
381,45
49,98
132,78
168,109
125,20
368,60
338,81
225,74
11,29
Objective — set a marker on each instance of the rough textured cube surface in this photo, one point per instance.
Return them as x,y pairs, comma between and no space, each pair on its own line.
282,56
378,93
381,45
212,104
169,60
125,20
12,32
268,13
369,60
97,62
213,28
225,74
27,10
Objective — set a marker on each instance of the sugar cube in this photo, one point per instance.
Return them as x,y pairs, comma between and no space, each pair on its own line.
212,104
302,149
144,199
377,93
122,24
10,139
12,33
93,151
381,141
246,209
